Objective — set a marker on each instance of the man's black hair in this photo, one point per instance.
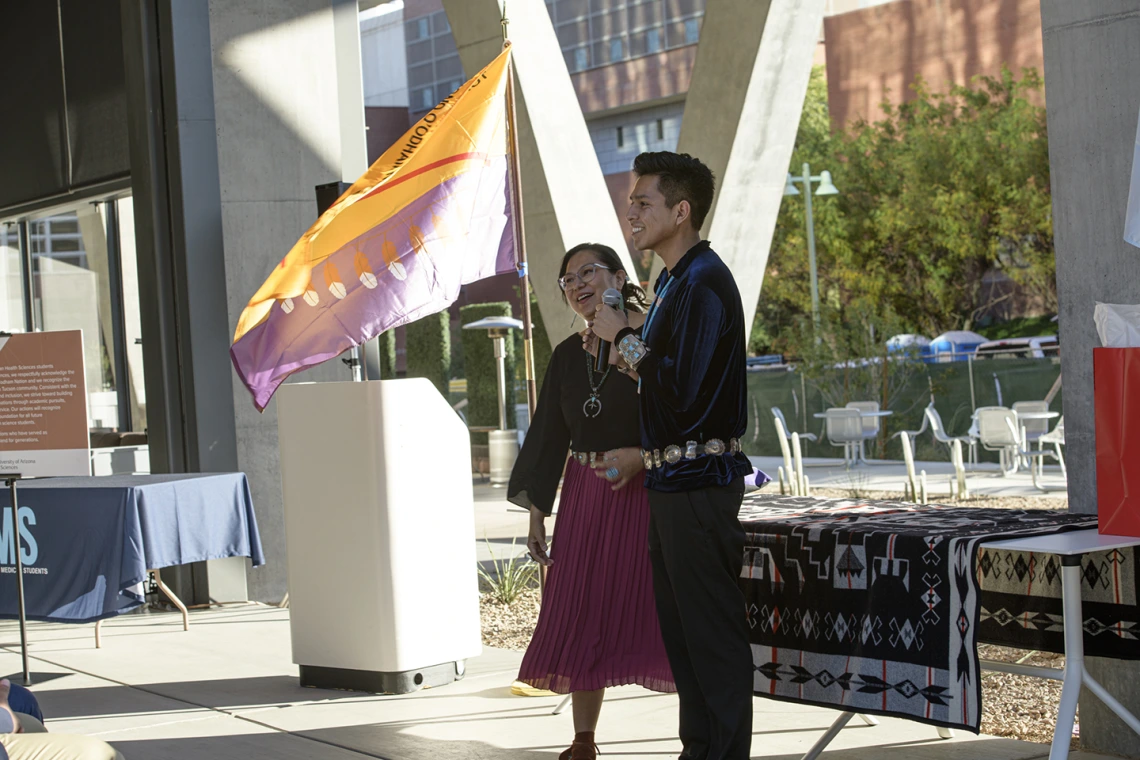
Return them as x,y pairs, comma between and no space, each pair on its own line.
680,177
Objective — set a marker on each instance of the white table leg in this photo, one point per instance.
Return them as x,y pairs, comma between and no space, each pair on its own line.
1074,656
563,705
832,732
870,720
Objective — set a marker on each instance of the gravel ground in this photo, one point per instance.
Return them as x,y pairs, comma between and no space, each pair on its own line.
1012,706
509,627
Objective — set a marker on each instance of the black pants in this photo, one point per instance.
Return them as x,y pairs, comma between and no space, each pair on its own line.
696,545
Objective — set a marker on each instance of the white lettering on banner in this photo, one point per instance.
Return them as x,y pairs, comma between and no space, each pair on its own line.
29,549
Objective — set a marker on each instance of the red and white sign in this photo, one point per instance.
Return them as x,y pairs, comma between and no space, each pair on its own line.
43,405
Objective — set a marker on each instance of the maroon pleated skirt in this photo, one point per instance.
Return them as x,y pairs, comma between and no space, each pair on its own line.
598,624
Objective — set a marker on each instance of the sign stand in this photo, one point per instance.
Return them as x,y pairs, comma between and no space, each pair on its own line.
10,480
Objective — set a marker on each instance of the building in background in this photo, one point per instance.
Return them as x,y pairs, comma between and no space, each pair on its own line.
630,62
876,53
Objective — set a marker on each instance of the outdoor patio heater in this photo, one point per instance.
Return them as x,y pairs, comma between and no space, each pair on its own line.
503,443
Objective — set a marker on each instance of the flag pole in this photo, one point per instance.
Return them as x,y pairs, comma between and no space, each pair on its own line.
520,249
519,227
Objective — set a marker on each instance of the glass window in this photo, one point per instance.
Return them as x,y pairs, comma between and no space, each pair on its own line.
76,285
692,31
449,68
676,9
11,280
67,295
573,35
422,28
617,50
444,89
444,46
653,40
582,58
419,52
439,23
567,10
414,31
609,24
427,99
645,14
620,137
420,75
638,46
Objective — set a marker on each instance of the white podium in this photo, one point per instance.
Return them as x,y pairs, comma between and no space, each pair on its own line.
380,534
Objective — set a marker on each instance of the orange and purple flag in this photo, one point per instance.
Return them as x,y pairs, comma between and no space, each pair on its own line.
433,213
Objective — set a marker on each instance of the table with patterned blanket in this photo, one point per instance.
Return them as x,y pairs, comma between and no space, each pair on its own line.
878,606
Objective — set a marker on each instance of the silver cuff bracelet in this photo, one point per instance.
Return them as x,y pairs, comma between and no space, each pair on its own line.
632,350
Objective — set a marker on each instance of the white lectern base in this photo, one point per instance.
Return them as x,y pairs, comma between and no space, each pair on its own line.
380,534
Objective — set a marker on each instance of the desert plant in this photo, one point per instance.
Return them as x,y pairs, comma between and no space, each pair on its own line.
511,576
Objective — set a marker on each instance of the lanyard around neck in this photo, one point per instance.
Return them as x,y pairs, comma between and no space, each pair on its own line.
653,309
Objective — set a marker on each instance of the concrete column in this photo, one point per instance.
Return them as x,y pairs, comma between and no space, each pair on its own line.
179,250
1092,65
565,197
741,117
279,134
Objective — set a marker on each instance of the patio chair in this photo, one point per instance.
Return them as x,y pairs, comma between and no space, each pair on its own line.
942,436
1036,458
958,481
798,463
914,488
914,434
997,431
871,425
1034,429
776,412
845,428
1056,439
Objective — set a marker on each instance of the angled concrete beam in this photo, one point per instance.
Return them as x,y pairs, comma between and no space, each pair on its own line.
741,117
564,193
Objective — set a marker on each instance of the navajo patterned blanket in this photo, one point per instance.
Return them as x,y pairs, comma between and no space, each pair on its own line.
877,606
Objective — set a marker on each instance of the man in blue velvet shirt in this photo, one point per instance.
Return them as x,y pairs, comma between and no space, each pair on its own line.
689,363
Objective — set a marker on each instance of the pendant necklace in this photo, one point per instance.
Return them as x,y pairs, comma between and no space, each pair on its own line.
593,406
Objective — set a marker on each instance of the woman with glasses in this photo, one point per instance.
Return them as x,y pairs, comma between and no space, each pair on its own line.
598,624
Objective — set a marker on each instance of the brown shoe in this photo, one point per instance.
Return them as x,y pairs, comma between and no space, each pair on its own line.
583,747
580,751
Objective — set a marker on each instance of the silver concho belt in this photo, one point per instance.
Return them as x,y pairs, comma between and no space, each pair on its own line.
673,454
587,458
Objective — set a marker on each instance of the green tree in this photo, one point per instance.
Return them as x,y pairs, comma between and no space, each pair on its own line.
937,193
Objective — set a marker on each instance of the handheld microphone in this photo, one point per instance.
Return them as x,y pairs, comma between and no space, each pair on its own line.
612,298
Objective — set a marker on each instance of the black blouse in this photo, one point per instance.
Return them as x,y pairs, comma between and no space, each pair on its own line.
561,425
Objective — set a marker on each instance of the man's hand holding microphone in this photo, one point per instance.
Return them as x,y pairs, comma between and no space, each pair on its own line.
609,320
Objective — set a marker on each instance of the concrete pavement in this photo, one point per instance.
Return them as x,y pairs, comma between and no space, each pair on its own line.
227,689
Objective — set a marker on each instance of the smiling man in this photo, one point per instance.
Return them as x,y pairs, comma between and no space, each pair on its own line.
689,362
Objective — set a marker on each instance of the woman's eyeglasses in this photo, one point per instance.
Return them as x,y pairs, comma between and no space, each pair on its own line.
582,276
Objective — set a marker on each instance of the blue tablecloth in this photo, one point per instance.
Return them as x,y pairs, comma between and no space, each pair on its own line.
87,543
